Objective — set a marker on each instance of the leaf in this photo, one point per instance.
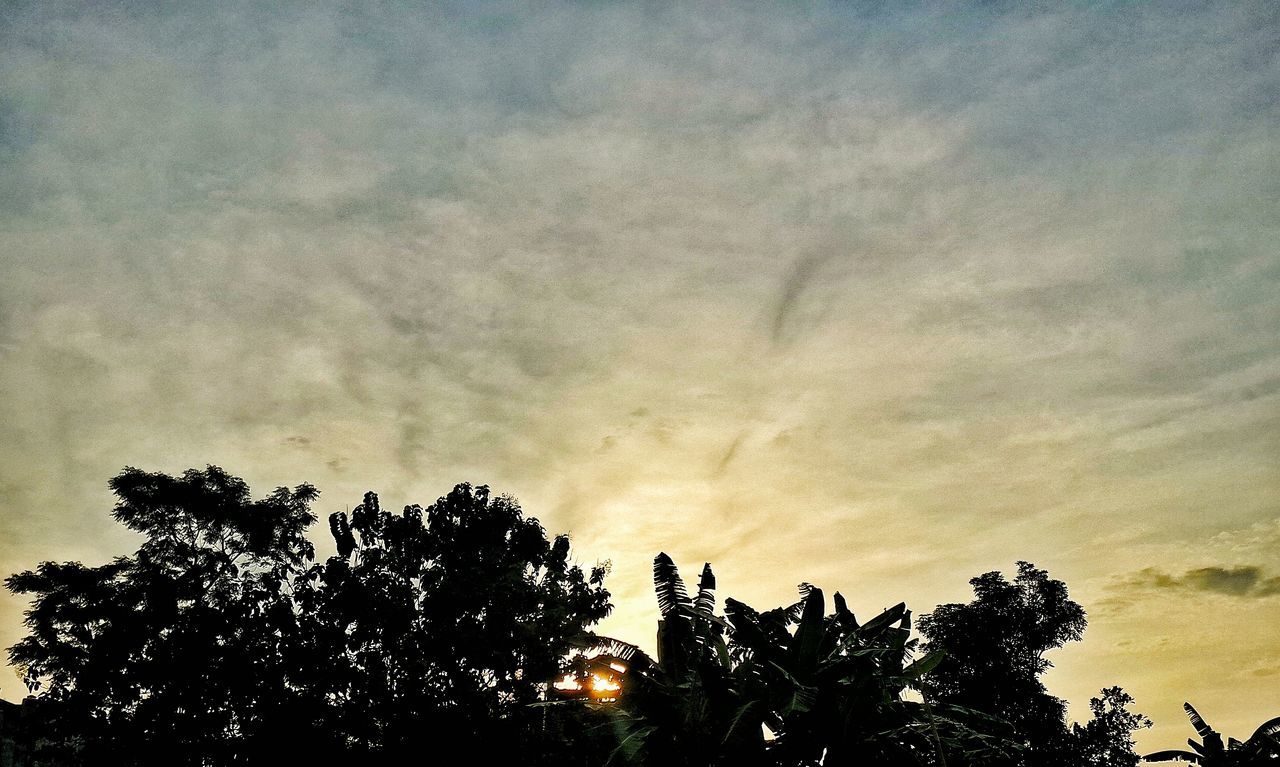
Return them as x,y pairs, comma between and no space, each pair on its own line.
808,637
783,616
1202,728
635,658
631,744
722,651
692,612
883,620
747,631
924,665
668,587
1269,727
802,697
843,614
705,603
740,724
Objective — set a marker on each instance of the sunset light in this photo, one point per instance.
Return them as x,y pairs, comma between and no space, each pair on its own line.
898,379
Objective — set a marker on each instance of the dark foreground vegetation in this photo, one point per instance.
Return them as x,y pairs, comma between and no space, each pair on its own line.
459,633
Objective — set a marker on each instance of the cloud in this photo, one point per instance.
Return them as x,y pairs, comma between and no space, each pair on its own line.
1242,581
1239,581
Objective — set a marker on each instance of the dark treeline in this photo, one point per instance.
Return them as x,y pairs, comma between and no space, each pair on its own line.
462,629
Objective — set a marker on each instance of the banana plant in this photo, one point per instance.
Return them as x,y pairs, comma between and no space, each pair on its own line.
835,686
829,689
688,706
1260,750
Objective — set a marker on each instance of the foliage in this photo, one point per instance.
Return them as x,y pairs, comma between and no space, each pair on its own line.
685,708
836,687
443,623
220,642
216,644
1260,750
995,648
169,656
1106,740
830,690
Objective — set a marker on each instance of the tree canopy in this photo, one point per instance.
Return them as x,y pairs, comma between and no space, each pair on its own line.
170,654
995,647
220,641
441,624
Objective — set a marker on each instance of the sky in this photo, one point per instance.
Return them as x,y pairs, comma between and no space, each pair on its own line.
876,296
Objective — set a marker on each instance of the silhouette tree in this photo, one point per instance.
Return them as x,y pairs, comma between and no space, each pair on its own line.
995,648
217,643
1106,740
1262,749
442,625
171,655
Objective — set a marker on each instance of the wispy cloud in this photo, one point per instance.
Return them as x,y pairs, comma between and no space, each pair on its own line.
874,298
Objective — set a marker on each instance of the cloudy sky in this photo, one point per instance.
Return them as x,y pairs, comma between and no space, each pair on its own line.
878,299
